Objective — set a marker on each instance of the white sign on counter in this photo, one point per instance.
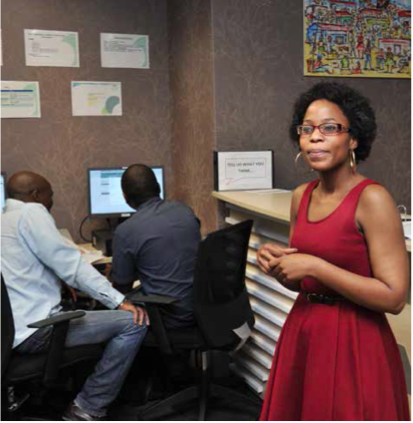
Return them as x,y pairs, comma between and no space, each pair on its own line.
243,170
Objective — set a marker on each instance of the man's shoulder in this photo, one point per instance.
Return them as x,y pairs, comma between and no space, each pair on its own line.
158,209
35,211
20,210
157,212
36,207
178,206
130,227
177,211
27,219
125,227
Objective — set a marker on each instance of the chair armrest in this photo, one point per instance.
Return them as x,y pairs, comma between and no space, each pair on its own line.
153,303
152,299
56,346
158,329
60,318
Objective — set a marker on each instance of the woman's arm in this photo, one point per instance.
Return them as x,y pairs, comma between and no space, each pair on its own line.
268,252
295,203
386,291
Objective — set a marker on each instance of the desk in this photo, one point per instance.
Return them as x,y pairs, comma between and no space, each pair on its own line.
91,254
271,302
90,248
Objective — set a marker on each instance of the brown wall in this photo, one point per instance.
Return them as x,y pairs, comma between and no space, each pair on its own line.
62,147
259,74
224,75
192,84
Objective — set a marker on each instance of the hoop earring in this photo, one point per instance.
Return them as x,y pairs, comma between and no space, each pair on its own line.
296,160
297,157
353,160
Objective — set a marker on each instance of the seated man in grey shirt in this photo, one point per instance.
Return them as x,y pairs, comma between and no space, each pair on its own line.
157,245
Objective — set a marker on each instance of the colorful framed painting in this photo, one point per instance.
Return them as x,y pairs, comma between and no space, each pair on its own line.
357,38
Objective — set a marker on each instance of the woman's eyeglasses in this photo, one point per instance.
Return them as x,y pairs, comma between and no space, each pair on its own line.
324,128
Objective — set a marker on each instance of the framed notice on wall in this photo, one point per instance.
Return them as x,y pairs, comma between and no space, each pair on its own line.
51,48
243,170
92,98
20,99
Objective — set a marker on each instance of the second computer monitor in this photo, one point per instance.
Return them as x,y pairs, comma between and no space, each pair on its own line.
105,191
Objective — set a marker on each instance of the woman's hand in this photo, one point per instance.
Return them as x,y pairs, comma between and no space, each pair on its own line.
268,252
289,270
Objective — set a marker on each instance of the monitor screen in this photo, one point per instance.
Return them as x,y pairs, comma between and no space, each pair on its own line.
3,191
105,192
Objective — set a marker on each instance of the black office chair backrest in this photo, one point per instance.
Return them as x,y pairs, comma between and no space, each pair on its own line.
7,327
221,303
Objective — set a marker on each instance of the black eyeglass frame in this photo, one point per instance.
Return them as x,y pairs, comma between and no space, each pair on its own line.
341,128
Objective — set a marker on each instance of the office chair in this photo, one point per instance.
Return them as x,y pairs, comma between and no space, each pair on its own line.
22,368
224,318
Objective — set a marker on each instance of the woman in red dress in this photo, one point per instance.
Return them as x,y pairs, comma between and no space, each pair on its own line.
336,358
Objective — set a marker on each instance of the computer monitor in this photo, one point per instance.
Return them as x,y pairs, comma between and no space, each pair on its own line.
105,191
3,190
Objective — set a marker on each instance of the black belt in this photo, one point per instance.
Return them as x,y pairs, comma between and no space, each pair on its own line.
322,299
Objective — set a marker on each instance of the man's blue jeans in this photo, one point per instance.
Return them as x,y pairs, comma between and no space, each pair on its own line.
123,338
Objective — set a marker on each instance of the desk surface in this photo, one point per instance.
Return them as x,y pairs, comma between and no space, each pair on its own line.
273,204
89,252
90,248
268,203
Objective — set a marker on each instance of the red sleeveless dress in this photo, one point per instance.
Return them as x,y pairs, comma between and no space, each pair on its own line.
341,361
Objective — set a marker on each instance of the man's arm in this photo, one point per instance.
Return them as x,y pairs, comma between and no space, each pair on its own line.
123,272
39,232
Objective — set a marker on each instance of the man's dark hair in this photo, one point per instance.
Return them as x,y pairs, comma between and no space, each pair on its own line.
139,185
354,105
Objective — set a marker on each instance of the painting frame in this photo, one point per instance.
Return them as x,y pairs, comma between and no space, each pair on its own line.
357,38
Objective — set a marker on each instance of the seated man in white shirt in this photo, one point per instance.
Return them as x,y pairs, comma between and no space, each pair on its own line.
34,261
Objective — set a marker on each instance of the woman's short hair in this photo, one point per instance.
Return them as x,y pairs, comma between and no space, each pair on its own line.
354,105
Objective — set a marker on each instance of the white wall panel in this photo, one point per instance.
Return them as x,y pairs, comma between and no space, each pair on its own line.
269,300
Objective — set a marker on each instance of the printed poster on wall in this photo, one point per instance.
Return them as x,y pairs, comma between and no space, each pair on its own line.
91,98
20,99
357,38
51,48
124,51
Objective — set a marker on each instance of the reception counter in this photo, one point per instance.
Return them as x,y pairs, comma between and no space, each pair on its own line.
270,301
